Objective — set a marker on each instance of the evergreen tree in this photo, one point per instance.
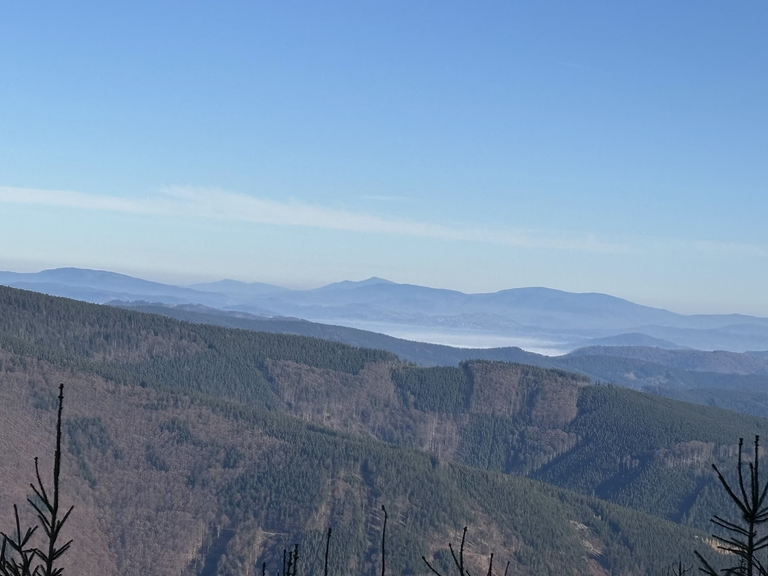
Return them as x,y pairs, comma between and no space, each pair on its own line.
742,539
18,557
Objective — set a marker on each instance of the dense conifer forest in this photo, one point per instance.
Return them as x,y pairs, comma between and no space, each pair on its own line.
253,441
708,378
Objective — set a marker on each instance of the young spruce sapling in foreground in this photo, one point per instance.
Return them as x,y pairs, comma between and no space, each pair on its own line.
18,555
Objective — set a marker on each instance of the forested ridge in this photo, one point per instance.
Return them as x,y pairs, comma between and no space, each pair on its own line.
131,347
724,379
258,439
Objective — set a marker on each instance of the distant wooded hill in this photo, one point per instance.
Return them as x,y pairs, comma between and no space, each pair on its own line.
551,318
251,440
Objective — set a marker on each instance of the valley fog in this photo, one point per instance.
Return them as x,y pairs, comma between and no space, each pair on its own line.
465,339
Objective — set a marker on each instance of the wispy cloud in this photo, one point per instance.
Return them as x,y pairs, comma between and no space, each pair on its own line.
203,203
68,199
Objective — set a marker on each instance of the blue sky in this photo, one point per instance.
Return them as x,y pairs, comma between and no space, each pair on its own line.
588,146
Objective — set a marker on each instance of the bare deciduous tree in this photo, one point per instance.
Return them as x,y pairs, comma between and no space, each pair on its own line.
459,561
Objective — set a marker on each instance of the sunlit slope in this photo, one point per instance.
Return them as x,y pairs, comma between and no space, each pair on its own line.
168,483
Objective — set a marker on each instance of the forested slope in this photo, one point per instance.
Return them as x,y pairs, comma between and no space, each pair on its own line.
422,353
167,483
645,452
725,379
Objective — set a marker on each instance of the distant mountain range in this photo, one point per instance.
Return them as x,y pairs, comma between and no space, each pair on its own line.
541,317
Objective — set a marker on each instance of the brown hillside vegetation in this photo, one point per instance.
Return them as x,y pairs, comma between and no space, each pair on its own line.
152,478
368,403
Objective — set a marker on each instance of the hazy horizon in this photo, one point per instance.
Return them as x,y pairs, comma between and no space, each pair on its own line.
186,280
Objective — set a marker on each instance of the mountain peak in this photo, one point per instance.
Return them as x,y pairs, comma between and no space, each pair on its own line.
348,284
374,280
